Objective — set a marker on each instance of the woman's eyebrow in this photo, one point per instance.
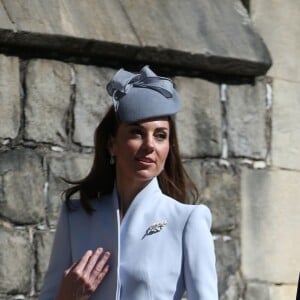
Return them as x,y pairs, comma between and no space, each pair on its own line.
134,124
162,128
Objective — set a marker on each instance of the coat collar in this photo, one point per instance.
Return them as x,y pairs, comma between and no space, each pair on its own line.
143,203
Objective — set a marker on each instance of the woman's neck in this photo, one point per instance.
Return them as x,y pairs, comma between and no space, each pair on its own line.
127,190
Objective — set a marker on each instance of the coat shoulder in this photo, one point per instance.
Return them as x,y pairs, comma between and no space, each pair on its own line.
198,212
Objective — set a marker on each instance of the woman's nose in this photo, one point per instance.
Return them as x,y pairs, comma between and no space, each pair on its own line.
149,143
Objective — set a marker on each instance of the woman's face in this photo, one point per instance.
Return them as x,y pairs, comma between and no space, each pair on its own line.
141,149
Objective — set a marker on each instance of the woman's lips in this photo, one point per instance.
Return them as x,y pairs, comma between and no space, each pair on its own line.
146,160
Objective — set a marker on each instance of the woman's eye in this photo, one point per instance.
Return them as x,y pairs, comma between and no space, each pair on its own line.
135,132
161,136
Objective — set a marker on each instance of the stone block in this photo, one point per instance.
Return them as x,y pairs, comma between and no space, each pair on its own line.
199,123
21,190
48,87
283,292
235,287
16,260
96,20
43,244
68,166
92,101
112,28
221,193
194,169
286,125
256,290
10,112
227,263
246,114
264,291
285,50
5,22
270,225
165,26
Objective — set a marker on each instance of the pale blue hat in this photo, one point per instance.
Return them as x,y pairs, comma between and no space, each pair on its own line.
143,95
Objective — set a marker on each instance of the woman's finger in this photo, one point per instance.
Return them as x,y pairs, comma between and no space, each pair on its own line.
102,274
83,261
92,261
100,268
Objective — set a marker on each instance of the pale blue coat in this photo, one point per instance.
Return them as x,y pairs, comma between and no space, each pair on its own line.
153,266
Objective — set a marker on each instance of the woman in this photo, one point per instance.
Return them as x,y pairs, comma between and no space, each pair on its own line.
127,237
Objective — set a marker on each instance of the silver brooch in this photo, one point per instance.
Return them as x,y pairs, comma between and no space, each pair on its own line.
156,227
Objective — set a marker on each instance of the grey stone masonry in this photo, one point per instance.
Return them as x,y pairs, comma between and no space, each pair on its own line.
286,125
48,86
91,102
219,36
67,166
221,192
16,260
284,42
194,169
255,290
5,23
199,122
227,256
10,111
246,114
270,224
21,186
43,243
258,290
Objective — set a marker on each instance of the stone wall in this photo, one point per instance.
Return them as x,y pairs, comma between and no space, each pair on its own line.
239,139
270,198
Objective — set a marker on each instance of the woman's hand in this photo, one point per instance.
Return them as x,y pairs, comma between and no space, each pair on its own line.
83,277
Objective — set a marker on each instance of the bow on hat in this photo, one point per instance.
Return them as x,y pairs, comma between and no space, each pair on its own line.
124,81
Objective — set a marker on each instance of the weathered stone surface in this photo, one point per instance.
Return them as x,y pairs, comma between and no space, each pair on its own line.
5,23
70,167
199,121
265,291
21,190
92,101
283,292
194,169
43,244
16,260
221,193
285,50
235,287
10,111
202,31
270,225
286,125
110,27
48,85
246,114
255,290
99,20
228,261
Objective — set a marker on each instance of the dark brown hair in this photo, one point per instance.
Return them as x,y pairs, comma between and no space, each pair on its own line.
173,180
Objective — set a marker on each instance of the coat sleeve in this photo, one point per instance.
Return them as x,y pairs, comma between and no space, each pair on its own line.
199,256
60,259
